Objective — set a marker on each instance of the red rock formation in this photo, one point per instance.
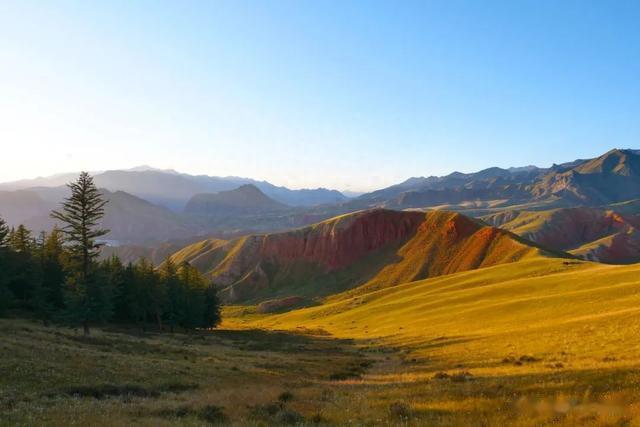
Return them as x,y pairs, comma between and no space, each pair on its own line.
338,243
385,247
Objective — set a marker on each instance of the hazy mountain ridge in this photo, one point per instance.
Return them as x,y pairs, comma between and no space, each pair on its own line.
173,189
246,199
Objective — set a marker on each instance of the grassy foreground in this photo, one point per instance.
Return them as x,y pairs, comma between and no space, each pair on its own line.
54,376
539,342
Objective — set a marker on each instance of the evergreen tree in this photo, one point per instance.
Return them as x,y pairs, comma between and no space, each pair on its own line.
212,316
5,295
53,267
89,297
193,288
21,240
174,306
4,233
40,296
21,269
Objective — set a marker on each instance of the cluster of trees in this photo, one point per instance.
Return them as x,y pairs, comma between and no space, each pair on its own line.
58,277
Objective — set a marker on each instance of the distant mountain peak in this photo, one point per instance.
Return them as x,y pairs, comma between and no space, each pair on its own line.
244,200
147,168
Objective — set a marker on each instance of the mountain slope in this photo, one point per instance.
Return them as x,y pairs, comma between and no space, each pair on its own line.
244,200
597,234
612,177
376,248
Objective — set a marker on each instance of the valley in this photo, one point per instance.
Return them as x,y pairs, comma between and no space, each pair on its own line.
472,299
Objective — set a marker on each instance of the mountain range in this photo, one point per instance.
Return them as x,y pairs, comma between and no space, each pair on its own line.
149,207
173,190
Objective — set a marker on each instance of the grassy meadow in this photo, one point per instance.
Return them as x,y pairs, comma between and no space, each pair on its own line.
540,342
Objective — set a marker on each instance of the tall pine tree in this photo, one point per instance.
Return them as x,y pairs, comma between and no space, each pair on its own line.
6,297
88,299
4,233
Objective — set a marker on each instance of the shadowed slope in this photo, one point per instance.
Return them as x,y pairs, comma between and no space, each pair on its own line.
376,248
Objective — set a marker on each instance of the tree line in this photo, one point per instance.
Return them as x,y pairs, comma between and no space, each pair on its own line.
57,276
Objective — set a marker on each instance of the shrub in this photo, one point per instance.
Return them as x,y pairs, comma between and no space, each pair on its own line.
285,396
400,410
461,377
288,416
441,376
213,414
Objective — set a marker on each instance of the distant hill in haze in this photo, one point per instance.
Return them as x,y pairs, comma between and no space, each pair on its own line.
129,218
173,190
246,199
378,248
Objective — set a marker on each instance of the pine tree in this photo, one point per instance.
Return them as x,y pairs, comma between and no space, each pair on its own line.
212,316
174,303
6,297
21,269
40,296
193,286
53,271
4,233
89,296
21,240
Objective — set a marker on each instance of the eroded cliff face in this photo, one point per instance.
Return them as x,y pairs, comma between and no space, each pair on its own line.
338,243
376,247
592,233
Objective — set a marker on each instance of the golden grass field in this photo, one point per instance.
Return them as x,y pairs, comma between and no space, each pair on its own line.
542,341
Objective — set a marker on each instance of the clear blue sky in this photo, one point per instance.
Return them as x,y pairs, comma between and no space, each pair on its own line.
345,94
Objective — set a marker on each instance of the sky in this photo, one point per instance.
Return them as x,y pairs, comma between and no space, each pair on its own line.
353,95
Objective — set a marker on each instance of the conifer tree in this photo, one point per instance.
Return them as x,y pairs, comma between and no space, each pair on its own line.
212,316
89,296
4,233
6,297
40,295
53,267
174,307
21,240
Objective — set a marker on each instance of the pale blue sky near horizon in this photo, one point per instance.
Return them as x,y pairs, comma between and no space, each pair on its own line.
351,95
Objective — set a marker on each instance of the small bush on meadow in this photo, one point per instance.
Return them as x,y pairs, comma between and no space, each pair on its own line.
400,410
288,416
212,414
285,396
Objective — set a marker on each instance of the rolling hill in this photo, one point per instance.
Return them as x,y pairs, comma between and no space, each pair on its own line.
377,248
598,234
